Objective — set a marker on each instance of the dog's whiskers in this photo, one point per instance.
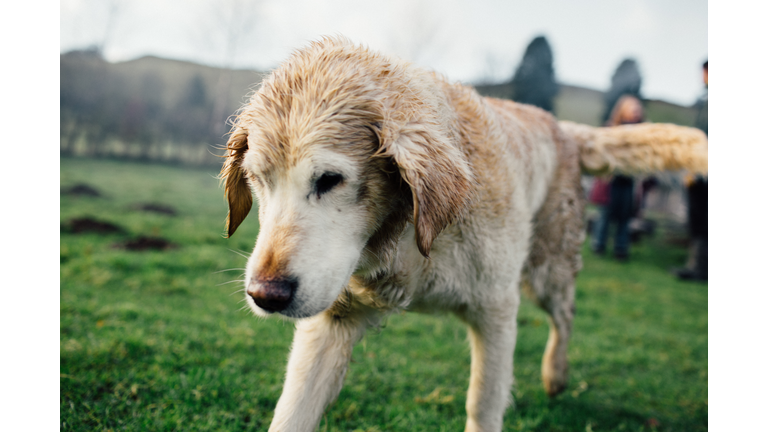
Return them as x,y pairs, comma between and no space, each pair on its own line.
226,270
239,252
232,281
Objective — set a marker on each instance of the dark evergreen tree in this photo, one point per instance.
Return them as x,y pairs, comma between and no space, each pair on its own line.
625,81
534,80
190,121
196,94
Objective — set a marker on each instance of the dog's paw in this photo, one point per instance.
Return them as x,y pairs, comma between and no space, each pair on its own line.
554,387
555,378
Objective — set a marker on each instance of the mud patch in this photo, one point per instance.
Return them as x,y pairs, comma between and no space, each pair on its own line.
90,225
143,243
157,208
81,189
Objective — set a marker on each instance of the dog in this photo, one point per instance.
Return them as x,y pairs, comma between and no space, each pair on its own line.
383,187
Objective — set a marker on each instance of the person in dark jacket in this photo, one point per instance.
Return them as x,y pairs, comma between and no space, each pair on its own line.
621,202
697,265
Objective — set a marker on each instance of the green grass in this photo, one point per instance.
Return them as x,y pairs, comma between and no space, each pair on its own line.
159,340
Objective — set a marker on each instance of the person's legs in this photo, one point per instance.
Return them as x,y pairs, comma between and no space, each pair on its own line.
697,266
622,196
701,267
621,244
601,231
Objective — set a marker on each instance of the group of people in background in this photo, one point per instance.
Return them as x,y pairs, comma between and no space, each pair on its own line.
617,193
617,197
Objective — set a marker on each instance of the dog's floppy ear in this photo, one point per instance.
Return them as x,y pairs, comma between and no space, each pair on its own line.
236,187
439,176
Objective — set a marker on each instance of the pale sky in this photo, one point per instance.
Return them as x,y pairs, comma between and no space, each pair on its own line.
468,41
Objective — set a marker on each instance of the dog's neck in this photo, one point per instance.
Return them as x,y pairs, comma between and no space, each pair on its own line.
379,253
376,282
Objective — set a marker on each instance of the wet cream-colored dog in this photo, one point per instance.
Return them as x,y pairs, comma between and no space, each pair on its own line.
383,187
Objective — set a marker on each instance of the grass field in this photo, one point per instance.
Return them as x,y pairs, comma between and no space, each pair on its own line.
158,340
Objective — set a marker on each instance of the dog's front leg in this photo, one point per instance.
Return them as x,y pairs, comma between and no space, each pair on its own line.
492,337
322,348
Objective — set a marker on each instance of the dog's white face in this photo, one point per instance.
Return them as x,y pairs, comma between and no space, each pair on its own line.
313,228
341,158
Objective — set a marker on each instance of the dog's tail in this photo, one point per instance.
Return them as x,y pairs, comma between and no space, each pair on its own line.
639,148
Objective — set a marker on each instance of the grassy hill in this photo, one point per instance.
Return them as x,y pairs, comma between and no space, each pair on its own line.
584,105
175,111
149,108
175,76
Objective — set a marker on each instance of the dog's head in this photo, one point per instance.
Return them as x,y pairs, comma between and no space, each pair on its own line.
342,148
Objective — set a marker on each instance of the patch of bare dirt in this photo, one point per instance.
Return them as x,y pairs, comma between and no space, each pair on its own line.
143,243
81,189
90,225
157,208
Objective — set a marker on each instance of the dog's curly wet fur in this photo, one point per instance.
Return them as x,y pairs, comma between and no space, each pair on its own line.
383,187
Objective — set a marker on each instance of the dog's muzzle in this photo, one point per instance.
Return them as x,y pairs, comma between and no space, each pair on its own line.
272,295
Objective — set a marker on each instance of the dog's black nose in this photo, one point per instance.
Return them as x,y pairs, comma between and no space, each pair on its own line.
272,295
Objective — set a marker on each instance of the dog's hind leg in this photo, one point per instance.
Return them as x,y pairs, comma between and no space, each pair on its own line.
549,279
554,365
320,355
556,297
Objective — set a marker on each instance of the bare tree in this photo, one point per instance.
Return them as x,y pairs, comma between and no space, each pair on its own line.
225,28
494,69
113,11
417,36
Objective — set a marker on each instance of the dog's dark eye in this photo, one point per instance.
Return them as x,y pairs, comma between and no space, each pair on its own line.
326,182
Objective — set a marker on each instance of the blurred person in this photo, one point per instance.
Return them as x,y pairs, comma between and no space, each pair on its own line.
648,184
696,267
621,196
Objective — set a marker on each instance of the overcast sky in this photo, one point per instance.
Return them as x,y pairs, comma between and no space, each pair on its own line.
469,41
